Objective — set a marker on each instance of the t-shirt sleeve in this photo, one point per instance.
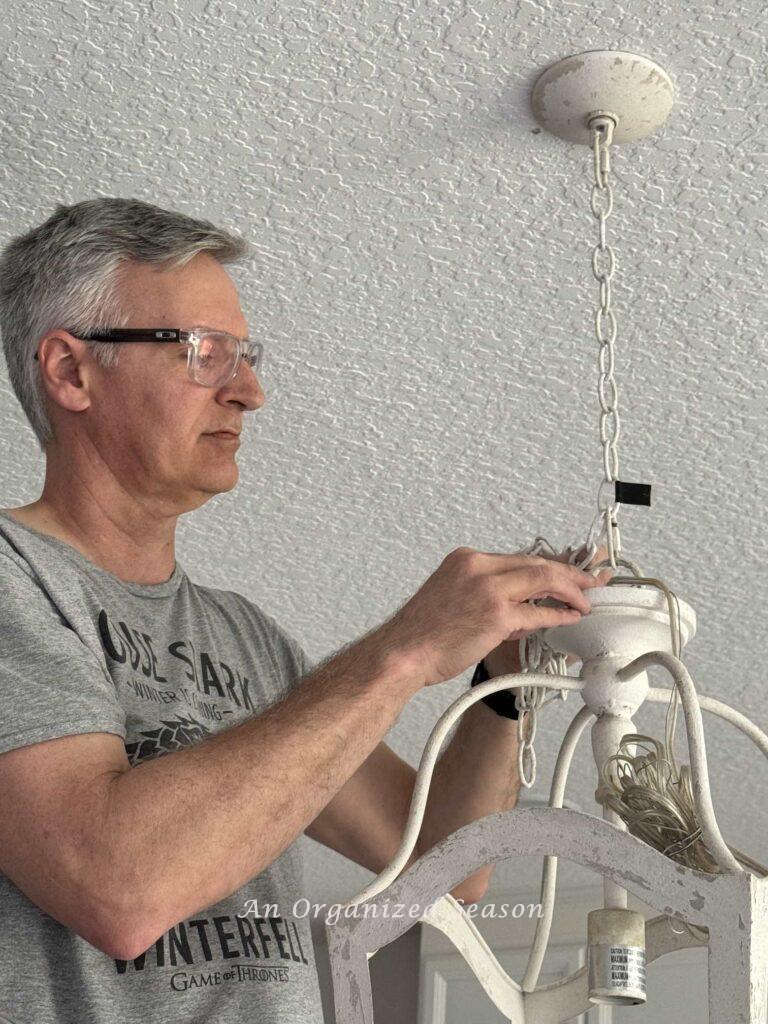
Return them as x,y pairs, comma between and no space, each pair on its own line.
301,661
294,661
51,683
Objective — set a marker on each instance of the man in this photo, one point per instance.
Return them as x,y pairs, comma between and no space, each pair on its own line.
164,743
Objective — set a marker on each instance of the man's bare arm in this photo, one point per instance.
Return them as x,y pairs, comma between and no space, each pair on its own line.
185,830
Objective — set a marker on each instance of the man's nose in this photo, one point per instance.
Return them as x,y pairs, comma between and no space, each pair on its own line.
245,388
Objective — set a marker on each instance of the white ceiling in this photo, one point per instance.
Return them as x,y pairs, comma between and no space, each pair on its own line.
422,284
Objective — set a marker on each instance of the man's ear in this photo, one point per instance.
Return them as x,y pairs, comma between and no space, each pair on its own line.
63,361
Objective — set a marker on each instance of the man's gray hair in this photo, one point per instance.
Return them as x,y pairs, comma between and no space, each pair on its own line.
66,274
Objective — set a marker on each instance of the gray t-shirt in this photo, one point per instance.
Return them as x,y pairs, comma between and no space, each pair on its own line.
162,666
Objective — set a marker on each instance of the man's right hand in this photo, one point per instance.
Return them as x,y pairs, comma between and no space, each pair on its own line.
474,601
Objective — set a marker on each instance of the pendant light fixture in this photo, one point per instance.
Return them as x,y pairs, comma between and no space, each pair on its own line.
657,836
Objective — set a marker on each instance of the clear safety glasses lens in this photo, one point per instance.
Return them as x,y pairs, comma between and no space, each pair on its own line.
213,358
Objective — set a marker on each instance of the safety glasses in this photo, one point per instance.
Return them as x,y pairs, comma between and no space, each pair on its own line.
212,356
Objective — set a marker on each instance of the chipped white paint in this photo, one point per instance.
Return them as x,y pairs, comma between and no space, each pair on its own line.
633,89
733,907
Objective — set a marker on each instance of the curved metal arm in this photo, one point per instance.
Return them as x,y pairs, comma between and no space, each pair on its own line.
724,711
449,917
549,872
429,757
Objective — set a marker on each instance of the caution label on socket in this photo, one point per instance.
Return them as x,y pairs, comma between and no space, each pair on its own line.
617,969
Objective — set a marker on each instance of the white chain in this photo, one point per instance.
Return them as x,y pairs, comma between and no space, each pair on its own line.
535,655
601,202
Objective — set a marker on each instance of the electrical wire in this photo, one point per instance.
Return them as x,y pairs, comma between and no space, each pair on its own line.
654,798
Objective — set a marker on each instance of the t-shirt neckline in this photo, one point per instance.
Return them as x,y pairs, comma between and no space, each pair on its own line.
164,589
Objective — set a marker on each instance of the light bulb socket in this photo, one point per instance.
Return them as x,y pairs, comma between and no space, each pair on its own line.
616,957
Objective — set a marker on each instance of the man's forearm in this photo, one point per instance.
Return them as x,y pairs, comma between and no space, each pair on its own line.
184,830
476,775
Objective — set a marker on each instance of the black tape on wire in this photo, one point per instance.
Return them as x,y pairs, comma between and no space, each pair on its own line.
633,494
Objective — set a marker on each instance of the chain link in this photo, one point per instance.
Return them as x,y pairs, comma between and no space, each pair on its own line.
603,266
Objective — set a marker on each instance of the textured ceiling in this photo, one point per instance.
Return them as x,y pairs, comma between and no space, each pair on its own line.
422,284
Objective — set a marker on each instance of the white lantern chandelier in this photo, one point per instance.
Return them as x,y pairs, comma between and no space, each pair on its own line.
658,837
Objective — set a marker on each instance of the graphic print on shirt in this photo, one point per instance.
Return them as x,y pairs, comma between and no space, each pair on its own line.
180,686
271,947
209,688
172,734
